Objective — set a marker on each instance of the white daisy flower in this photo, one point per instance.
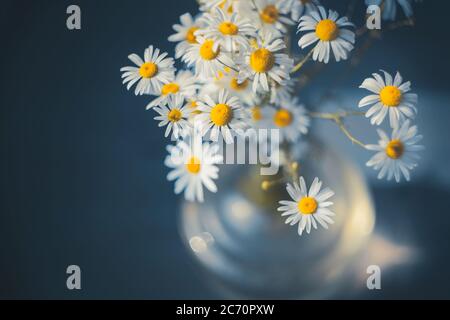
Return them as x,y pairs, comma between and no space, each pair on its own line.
208,58
223,116
281,92
390,7
152,72
329,30
396,155
290,118
175,116
194,165
185,34
230,32
263,64
390,96
269,16
309,207
184,84
300,7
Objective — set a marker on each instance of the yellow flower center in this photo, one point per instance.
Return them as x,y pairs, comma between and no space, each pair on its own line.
307,205
148,70
270,14
282,118
235,85
228,28
221,114
395,149
170,88
256,113
391,96
327,30
190,37
174,115
193,166
262,60
207,52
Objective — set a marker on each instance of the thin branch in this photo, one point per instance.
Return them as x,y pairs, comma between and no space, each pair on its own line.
337,118
299,65
232,68
403,23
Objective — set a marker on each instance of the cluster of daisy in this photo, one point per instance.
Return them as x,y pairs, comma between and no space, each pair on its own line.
396,154
237,75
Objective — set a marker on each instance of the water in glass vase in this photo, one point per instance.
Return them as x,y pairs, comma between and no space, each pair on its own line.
242,243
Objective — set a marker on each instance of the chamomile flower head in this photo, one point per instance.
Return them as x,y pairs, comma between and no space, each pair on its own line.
309,208
174,116
389,7
208,58
257,114
330,33
269,16
290,118
184,34
194,166
396,155
222,116
183,84
300,7
230,32
151,73
283,92
390,96
263,64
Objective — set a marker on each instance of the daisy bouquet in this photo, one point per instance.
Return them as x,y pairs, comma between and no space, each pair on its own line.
239,74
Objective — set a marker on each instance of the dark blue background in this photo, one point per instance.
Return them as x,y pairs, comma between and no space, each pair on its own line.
83,180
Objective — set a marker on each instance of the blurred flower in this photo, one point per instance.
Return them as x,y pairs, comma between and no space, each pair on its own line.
209,5
280,92
308,208
300,7
152,72
228,79
194,165
390,97
329,30
290,118
269,16
257,115
390,7
396,155
185,34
